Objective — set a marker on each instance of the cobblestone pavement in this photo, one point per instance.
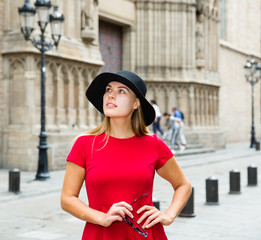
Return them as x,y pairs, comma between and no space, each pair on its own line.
35,212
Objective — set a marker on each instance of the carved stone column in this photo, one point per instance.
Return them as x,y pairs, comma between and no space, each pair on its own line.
192,111
212,107
91,111
216,99
206,107
164,57
60,98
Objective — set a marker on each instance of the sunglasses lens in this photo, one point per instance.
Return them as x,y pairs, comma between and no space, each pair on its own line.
135,226
127,220
141,232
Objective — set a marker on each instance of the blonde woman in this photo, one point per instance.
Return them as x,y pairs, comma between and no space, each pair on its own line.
117,160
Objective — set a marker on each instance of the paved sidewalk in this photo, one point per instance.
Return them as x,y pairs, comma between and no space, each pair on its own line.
35,212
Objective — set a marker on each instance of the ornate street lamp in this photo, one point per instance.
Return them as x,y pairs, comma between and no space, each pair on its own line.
27,13
252,74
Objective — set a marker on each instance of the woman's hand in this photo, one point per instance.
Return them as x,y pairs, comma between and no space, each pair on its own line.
116,213
153,216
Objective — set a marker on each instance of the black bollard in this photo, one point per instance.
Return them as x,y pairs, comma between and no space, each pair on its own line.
188,210
234,179
252,175
257,146
156,203
14,180
212,191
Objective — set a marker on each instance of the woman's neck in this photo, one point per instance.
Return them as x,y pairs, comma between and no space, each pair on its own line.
120,128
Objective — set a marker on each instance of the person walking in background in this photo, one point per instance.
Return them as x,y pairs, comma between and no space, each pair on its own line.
180,115
118,160
174,127
177,113
156,124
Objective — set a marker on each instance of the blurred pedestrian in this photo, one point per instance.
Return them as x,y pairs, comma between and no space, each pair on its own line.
178,114
173,125
117,160
156,124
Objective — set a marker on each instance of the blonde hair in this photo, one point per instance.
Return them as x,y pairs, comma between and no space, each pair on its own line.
138,126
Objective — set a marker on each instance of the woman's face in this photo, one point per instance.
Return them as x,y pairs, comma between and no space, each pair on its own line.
119,101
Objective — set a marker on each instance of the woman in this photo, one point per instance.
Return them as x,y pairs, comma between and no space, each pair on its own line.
117,161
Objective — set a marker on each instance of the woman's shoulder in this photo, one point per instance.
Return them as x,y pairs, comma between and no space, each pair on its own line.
85,137
155,143
151,137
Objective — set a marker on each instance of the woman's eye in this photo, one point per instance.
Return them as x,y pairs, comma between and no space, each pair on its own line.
122,91
107,90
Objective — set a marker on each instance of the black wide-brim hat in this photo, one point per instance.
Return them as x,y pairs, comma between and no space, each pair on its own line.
97,88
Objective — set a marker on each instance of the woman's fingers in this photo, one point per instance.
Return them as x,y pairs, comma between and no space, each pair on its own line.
149,210
123,208
117,212
123,204
153,219
151,214
152,223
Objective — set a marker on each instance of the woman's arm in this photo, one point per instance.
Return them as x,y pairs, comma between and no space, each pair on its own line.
181,185
73,180
173,174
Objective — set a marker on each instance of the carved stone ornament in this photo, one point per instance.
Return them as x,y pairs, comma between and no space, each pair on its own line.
89,20
200,35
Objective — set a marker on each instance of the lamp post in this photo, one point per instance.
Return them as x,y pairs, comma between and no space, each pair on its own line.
252,76
56,19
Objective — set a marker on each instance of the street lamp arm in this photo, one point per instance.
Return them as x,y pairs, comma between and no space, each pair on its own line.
248,78
256,79
42,46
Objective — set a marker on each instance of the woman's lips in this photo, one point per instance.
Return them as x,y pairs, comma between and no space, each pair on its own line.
111,105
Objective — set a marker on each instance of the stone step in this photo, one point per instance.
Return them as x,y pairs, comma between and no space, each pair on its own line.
194,145
193,151
188,146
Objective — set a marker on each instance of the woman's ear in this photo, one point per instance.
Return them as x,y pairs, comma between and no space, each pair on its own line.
137,103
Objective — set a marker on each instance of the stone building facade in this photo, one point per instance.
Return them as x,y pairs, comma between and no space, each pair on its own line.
174,45
240,38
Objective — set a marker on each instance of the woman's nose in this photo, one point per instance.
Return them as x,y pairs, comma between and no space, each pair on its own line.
112,94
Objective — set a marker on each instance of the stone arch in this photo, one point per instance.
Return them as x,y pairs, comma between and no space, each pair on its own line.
161,97
150,91
16,66
51,84
183,105
51,93
97,115
65,77
17,91
74,86
197,105
65,95
81,110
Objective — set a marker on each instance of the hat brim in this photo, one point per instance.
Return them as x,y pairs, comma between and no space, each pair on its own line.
97,88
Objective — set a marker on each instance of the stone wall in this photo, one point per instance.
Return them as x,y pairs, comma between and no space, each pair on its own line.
69,70
243,39
243,24
172,44
2,105
235,95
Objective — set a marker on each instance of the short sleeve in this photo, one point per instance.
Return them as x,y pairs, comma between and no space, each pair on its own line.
76,154
164,153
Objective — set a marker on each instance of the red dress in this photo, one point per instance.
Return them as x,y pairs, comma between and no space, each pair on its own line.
121,170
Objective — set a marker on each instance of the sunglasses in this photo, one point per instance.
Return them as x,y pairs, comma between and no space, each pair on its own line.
137,227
